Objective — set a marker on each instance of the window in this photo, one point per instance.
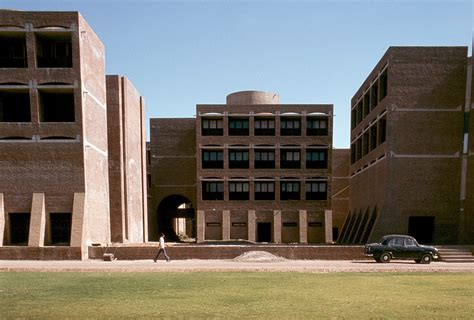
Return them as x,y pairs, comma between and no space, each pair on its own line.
56,107
316,159
148,179
353,153
54,50
358,149
264,159
238,190
19,228
15,107
265,190
212,159
365,143
264,127
290,159
212,127
366,105
359,112
212,190
373,137
383,85
290,190
13,52
238,127
316,127
353,118
316,190
409,242
238,159
374,95
60,228
290,127
382,130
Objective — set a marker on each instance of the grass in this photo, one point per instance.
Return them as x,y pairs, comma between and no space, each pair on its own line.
236,295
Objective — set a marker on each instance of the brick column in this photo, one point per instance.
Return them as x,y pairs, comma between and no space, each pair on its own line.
251,225
277,226
226,225
200,225
78,225
37,221
2,219
328,226
303,226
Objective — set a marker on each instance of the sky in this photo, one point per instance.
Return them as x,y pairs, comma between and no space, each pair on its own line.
182,53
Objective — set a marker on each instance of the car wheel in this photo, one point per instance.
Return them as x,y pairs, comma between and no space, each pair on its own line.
426,259
385,257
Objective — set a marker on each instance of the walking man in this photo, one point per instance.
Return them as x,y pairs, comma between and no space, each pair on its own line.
162,249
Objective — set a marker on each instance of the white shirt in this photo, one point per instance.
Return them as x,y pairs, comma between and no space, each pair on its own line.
162,242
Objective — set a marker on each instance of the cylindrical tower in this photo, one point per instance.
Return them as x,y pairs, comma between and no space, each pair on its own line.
252,98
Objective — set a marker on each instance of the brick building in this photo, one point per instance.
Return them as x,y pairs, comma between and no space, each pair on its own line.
54,153
407,170
250,169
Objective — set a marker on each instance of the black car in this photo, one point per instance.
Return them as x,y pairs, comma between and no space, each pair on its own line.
400,247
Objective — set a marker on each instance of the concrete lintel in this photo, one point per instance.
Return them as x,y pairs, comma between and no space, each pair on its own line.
200,225
277,226
328,226
37,221
2,219
226,225
303,226
251,225
78,227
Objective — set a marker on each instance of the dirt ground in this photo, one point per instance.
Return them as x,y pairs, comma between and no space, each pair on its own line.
234,265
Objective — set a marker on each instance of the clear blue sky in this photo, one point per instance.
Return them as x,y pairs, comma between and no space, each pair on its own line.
181,53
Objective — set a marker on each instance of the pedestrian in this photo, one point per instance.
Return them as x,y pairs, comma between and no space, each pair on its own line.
162,249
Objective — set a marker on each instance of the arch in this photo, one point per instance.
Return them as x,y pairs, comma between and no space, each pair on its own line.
176,218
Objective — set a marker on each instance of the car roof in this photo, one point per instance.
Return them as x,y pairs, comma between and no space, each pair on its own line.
397,236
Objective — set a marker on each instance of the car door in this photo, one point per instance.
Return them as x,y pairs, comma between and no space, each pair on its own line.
397,247
411,249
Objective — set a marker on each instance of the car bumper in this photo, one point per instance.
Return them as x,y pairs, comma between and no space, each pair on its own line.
368,254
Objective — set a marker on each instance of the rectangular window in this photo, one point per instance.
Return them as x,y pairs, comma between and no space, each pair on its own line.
358,149
54,50
265,190
383,85
60,228
316,159
238,159
374,95
212,190
13,52
264,127
15,107
238,127
316,127
212,159
366,105
212,127
289,190
359,112
19,228
264,159
290,127
353,153
316,190
365,143
148,179
290,159
353,118
373,137
238,190
56,107
290,224
382,130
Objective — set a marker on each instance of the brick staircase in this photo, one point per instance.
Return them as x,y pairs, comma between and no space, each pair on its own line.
456,254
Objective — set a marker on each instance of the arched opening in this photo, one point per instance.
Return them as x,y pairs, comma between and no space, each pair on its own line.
176,219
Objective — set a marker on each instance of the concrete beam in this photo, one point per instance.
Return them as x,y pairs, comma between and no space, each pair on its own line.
251,225
328,226
2,219
276,226
37,221
303,226
200,226
226,225
78,226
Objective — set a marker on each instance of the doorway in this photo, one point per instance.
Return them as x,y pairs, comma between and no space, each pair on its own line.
264,232
176,219
421,228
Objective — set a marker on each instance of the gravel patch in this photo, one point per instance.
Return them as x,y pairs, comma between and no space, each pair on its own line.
258,256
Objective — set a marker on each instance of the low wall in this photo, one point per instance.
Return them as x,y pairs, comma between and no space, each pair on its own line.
40,253
196,251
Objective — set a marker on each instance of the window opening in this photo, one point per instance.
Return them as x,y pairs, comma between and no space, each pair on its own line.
316,190
290,190
56,107
212,159
265,190
15,107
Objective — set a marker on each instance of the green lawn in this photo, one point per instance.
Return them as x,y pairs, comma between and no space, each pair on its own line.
236,295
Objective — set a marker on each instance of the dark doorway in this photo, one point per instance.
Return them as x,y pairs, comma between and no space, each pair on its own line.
60,229
421,228
19,228
176,219
264,232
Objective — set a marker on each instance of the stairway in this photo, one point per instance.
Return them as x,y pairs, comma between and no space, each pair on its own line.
455,254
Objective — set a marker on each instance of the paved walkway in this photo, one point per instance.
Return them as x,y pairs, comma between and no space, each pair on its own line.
230,266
